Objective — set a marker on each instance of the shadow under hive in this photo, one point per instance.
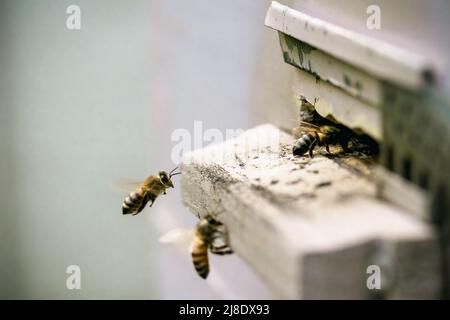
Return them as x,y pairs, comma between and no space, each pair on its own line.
416,145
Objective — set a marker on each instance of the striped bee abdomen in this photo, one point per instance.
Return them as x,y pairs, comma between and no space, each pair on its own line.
133,202
199,254
303,144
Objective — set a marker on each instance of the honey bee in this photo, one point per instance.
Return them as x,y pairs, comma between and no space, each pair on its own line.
148,191
323,135
207,234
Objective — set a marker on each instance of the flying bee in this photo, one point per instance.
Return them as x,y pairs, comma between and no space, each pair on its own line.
148,191
323,135
208,234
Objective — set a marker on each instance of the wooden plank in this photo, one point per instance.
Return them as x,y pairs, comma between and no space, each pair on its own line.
330,100
326,67
308,227
376,57
399,191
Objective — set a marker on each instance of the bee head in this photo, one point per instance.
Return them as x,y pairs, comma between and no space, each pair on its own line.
204,227
209,220
208,225
165,179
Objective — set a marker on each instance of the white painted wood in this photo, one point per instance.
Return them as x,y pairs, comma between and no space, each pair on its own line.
378,58
413,25
397,190
345,108
341,74
308,227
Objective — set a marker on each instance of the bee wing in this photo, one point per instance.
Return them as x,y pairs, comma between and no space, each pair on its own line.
177,236
126,185
305,128
309,126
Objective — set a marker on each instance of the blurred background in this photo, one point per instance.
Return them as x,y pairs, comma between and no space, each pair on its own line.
81,109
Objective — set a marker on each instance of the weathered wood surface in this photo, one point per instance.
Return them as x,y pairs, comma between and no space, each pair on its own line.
376,57
330,69
309,227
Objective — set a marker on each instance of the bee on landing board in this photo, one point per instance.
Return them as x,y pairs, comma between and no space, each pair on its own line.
148,191
208,234
323,135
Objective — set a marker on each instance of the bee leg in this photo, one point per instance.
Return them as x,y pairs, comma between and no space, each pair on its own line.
151,199
327,148
354,142
142,206
221,250
344,145
311,148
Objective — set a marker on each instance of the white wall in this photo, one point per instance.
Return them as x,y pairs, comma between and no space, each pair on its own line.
81,109
75,110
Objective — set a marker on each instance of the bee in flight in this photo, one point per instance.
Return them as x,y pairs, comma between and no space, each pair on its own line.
208,234
148,191
322,135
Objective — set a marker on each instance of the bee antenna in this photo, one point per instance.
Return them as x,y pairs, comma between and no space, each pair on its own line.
173,170
174,174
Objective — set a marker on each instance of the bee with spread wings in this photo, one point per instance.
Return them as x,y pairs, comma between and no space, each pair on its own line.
208,234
